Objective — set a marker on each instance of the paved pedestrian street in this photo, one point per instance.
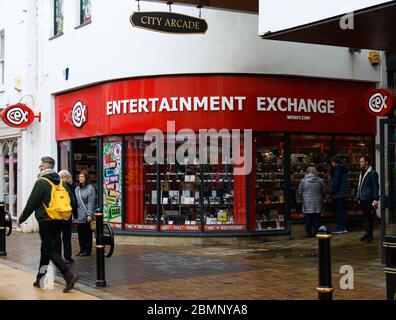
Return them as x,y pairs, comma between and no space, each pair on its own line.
17,285
279,270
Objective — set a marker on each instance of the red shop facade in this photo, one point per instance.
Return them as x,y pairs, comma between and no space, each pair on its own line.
295,123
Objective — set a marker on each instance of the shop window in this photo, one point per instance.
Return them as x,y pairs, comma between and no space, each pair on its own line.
141,187
58,17
224,194
112,180
180,193
306,151
269,182
2,43
189,194
85,11
353,147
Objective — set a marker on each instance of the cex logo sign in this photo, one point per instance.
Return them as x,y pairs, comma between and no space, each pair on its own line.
380,102
18,116
79,114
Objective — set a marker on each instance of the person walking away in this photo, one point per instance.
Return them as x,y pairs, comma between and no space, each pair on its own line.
312,191
368,195
52,202
85,194
68,225
340,191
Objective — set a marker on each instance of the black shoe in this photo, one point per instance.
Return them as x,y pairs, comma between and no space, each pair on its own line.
69,261
36,284
369,239
70,281
85,254
79,254
364,238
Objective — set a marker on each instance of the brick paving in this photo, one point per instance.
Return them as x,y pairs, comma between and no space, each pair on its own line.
278,270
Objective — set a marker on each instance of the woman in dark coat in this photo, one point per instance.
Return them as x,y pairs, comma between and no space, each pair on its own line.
340,191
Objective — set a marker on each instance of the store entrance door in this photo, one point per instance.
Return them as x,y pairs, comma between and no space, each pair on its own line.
388,178
84,157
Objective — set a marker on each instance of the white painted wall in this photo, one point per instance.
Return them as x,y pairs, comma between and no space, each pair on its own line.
17,18
110,48
284,14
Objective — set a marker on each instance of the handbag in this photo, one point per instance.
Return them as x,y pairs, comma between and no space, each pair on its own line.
93,221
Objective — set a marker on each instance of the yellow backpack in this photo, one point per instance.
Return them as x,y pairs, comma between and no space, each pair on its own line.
59,207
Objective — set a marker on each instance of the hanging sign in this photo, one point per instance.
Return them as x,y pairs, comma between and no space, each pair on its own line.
379,102
18,116
168,22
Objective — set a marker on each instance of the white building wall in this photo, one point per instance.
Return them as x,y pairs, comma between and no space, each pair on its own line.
110,48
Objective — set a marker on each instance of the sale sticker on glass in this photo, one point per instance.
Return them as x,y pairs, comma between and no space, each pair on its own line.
112,173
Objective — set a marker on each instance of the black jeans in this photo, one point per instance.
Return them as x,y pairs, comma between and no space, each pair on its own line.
85,237
312,220
66,239
50,234
341,212
367,208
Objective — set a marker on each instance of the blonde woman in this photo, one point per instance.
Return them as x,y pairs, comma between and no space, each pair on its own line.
67,227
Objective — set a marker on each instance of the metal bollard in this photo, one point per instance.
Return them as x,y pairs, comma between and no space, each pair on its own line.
325,288
3,252
100,251
389,245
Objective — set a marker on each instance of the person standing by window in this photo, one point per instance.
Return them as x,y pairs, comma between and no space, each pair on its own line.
311,192
85,194
368,195
340,191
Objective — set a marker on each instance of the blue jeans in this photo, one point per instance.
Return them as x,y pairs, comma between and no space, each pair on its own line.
312,220
341,212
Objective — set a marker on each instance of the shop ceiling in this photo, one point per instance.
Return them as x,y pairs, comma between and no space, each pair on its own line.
374,28
240,5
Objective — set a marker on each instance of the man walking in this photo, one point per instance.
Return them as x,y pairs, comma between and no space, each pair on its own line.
52,202
368,195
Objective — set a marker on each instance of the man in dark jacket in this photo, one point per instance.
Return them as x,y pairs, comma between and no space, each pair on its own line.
340,191
368,195
50,230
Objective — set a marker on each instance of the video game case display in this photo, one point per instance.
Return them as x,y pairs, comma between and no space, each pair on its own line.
269,190
180,196
85,161
218,194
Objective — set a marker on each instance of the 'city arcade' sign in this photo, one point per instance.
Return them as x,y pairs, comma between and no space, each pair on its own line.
168,22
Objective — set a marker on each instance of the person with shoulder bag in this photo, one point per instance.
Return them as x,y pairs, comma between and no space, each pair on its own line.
85,194
52,202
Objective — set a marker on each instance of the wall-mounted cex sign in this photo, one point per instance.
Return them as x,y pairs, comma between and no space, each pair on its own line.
380,102
19,116
168,22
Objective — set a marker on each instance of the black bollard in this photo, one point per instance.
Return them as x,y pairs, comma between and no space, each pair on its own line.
100,248
3,252
325,288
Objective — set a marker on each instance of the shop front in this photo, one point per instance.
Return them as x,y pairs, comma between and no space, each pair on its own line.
277,125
